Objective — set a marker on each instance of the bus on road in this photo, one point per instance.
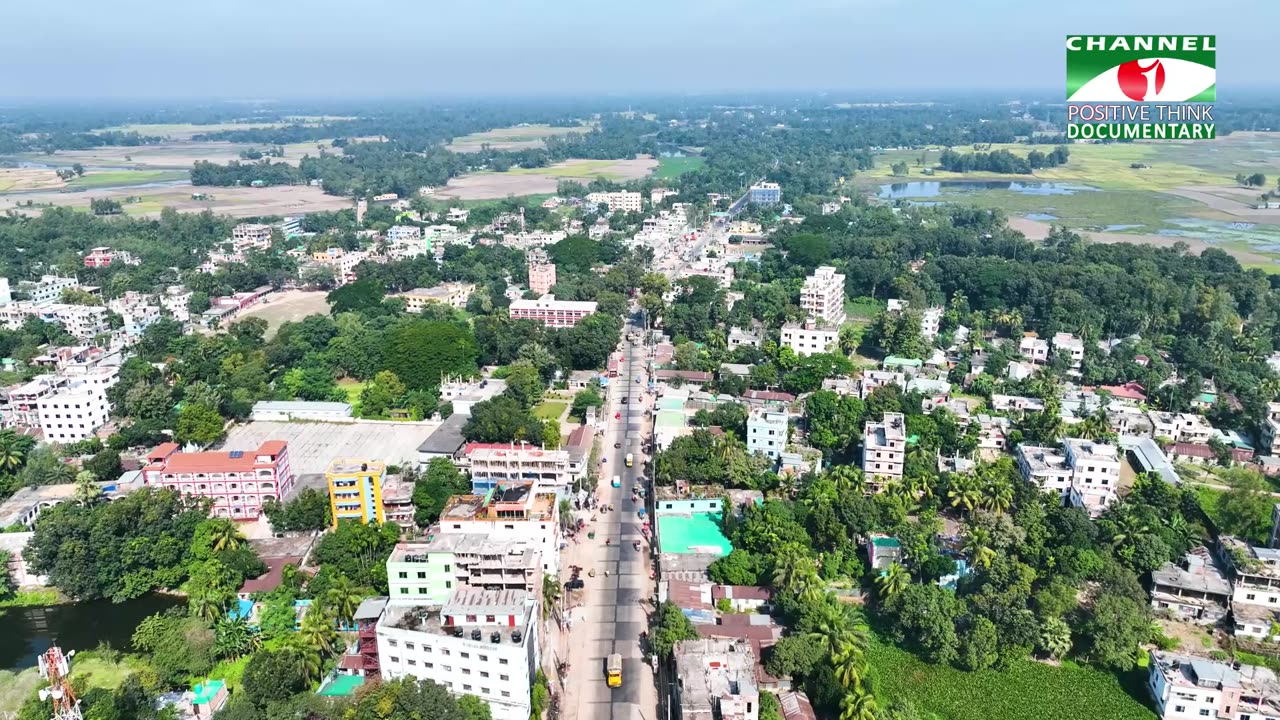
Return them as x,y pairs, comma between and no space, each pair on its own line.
613,668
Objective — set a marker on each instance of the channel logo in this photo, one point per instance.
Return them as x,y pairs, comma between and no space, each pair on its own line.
1141,68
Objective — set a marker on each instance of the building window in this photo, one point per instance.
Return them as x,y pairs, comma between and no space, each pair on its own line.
502,661
422,576
484,674
466,687
404,591
504,677
410,646
404,576
505,694
411,661
465,655
395,659
484,658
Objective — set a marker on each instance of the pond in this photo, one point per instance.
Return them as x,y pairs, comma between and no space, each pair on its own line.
29,631
934,188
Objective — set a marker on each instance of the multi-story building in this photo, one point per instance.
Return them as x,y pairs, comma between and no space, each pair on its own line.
1086,473
491,465
716,680
403,234
766,432
83,321
551,312
872,379
809,338
1181,427
479,642
542,275
22,407
251,235
291,226
99,257
355,490
823,296
993,434
765,193
453,294
715,268
138,318
429,572
1034,349
739,337
1194,590
1187,687
175,300
76,410
515,512
1070,346
931,322
622,201
397,502
48,289
1255,596
884,450
1271,428
238,482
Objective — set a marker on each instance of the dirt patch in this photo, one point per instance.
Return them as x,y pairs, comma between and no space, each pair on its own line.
1235,201
24,179
173,155
289,306
490,186
1037,230
232,201
513,138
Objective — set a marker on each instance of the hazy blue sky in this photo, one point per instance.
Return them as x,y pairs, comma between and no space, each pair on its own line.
327,48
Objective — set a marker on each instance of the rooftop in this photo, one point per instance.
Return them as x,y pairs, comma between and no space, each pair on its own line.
447,439
468,603
354,466
167,456
1198,572
712,670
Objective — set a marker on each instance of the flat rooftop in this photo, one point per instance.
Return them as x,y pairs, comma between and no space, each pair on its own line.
698,533
313,445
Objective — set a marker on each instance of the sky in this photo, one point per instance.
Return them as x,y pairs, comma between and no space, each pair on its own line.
261,49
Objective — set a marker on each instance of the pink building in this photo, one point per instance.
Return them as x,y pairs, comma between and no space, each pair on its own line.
551,312
99,257
238,481
542,277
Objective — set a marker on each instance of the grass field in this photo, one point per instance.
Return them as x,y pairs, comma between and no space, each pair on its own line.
184,131
512,138
861,308
1087,210
352,388
113,178
550,410
33,598
669,167
1027,691
579,168
88,669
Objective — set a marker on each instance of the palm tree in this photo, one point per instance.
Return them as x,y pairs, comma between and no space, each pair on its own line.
87,489
920,486
997,495
893,580
317,632
342,599
848,479
1055,637
850,665
833,628
224,535
309,660
235,638
1128,528
964,492
793,571
858,705
550,594
206,602
12,453
978,545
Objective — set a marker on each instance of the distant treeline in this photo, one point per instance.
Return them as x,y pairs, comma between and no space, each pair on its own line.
1002,161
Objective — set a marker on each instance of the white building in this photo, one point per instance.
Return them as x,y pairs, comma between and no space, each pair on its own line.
491,465
1034,349
514,512
1069,346
872,379
1271,428
766,432
716,680
715,268
1181,427
884,450
251,235
482,643
809,338
175,300
403,234
1255,596
48,289
1084,473
83,321
76,411
138,318
1188,687
617,201
823,295
431,571
931,322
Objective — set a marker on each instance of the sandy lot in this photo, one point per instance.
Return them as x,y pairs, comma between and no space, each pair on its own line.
289,306
171,155
313,445
489,186
20,179
236,202
1235,201
1037,230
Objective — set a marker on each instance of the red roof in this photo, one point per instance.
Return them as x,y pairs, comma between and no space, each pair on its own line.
769,395
740,592
690,375
167,458
1192,450
1128,391
270,580
686,595
581,435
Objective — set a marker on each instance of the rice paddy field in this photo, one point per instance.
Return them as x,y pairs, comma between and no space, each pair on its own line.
520,137
670,167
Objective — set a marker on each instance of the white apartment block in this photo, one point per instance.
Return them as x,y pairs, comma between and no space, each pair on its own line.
22,406
175,300
1187,687
403,234
1181,427
551,312
1271,428
617,201
1069,346
83,321
931,322
1255,595
479,642
453,294
251,235
1034,349
493,465
1084,473
739,337
715,268
884,450
431,571
809,338
76,410
766,432
516,512
823,295
48,289
138,318
716,678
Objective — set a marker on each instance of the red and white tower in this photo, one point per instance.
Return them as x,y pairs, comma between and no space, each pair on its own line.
56,668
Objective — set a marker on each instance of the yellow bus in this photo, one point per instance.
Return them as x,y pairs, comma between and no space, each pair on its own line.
613,666
630,460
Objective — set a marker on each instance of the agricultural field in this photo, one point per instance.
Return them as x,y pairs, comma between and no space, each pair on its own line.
522,137
185,131
115,178
176,155
27,179
148,202
1027,691
670,167
535,181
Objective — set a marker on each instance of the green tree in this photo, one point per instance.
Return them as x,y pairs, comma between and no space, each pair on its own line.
453,353
502,419
1245,509
342,599
381,394
1055,637
199,424
670,627
430,493
524,384
271,675
364,294
794,655
180,646
978,644
893,580
87,489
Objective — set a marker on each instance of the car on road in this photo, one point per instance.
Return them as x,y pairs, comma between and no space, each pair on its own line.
637,379
624,400
617,445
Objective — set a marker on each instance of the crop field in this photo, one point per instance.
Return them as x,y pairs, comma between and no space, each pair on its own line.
537,181
114,178
24,179
233,201
512,138
185,131
1027,691
172,155
669,167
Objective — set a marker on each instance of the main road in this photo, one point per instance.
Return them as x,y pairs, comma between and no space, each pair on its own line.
615,608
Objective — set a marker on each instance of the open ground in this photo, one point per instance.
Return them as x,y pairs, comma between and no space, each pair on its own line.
289,306
232,201
1038,230
533,181
185,131
521,137
175,155
313,445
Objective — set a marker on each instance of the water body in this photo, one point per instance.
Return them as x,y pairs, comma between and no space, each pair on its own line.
1042,217
934,188
1120,228
28,632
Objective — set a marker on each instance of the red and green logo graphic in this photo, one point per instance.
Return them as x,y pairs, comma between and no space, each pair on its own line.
1141,68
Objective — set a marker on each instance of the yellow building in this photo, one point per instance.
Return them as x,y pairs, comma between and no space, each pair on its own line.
355,490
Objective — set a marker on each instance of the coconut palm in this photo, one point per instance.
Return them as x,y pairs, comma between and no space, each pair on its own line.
848,479
1055,637
317,631
550,594
850,665
87,489
342,599
13,452
978,545
858,705
224,535
997,494
964,492
893,580
1128,528
206,602
920,486
832,628
793,571
309,659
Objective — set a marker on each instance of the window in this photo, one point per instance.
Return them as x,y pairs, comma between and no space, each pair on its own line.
504,677
426,648
404,591
422,576
394,659
504,693
410,646
502,661
465,655
428,665
422,591
484,658
447,668
444,651
1249,596
392,642
446,568
484,674
1204,712
466,687
448,584
411,661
